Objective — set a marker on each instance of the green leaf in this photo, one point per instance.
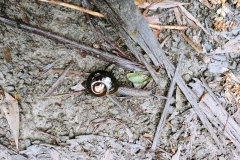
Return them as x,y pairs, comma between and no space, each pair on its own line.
138,78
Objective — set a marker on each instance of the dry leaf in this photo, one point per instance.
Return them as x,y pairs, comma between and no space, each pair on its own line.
237,2
166,4
190,16
146,135
206,3
231,46
145,5
232,89
216,1
107,155
139,2
11,111
194,45
221,26
7,54
223,11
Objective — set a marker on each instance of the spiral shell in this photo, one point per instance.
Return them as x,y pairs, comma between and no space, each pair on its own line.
101,83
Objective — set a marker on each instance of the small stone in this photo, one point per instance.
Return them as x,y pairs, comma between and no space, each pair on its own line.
9,88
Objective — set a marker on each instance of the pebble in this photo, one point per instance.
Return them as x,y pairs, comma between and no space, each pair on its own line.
9,88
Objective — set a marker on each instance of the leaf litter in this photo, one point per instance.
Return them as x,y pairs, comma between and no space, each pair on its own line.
9,106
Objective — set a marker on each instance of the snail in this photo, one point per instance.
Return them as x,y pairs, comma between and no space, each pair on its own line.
102,83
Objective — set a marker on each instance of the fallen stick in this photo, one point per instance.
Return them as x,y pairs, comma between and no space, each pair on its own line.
167,105
58,82
72,44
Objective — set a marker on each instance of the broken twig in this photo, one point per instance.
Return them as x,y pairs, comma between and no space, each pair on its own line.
58,82
159,27
168,102
74,7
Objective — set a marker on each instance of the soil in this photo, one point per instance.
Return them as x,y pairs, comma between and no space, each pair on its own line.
85,127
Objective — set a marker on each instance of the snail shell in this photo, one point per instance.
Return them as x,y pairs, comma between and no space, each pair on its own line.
101,83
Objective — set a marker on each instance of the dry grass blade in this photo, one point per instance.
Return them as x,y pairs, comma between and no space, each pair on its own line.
206,3
190,16
11,111
190,22
152,19
194,45
74,7
167,27
166,4
164,41
177,15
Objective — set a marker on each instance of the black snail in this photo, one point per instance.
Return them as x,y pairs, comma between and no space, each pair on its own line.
102,83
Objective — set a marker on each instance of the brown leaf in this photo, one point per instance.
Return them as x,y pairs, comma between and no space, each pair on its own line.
139,2
237,2
221,26
146,135
6,53
11,111
216,1
194,45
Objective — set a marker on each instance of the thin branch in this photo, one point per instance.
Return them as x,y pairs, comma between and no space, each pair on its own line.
74,7
58,82
168,102
122,62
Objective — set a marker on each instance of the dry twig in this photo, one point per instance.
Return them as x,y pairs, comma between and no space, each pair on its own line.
73,7
159,27
88,50
58,82
165,110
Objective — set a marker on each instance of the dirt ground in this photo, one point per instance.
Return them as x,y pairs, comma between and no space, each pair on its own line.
85,127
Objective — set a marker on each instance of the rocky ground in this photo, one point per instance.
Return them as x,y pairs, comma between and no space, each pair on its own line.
85,127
